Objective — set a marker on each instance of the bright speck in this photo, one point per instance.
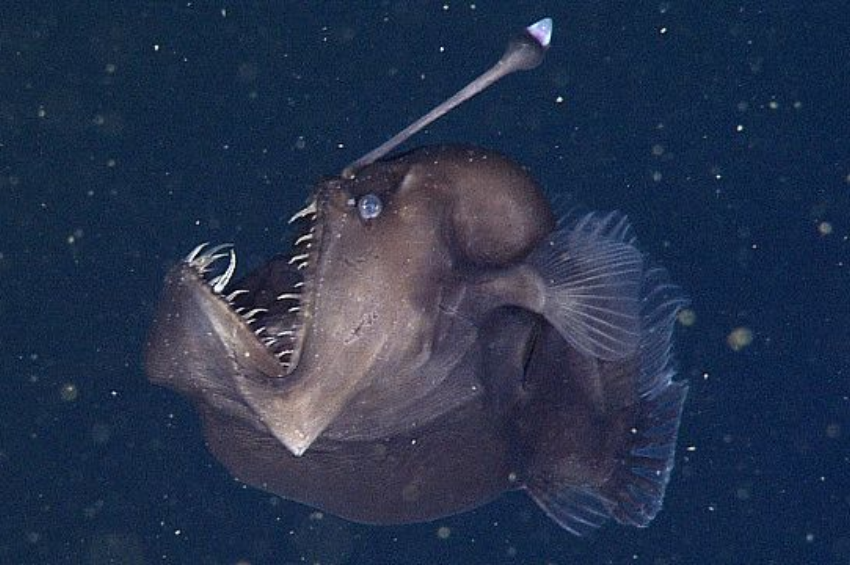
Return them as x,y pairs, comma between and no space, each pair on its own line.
69,392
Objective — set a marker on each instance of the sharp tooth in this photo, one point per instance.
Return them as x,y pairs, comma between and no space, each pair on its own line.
214,283
308,210
297,258
294,309
298,285
220,282
230,297
254,312
195,252
213,250
258,331
204,260
304,238
289,296
285,333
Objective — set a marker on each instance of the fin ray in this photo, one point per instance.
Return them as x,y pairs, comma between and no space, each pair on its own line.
578,510
592,274
641,463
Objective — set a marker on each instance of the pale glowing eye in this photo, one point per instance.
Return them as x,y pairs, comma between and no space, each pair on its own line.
370,207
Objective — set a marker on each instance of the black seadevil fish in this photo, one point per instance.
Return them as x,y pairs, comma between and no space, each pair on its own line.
434,342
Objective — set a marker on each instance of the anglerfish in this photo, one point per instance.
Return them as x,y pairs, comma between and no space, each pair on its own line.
434,339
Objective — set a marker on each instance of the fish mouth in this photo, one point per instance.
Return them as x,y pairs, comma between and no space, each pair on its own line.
275,302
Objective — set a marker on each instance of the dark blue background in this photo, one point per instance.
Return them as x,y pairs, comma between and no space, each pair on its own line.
117,157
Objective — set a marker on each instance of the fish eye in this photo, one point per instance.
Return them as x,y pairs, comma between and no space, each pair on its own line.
369,206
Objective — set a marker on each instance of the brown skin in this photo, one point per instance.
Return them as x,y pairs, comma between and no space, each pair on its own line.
426,381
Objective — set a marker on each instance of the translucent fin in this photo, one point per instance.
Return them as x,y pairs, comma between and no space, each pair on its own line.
638,464
661,300
634,493
578,510
592,273
640,479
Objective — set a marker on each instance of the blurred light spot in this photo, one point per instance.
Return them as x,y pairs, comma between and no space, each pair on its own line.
687,317
739,338
833,431
69,392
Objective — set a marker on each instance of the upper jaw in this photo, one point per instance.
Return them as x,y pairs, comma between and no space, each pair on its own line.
275,302
251,347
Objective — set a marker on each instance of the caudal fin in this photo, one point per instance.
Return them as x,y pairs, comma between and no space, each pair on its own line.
635,491
641,459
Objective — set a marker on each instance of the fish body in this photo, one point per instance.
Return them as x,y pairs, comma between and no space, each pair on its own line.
434,339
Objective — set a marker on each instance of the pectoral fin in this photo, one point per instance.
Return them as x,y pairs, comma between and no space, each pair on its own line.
591,276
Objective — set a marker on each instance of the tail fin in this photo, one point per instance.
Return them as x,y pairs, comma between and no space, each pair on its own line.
638,465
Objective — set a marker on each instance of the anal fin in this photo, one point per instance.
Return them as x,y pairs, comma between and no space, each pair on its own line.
579,510
634,492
